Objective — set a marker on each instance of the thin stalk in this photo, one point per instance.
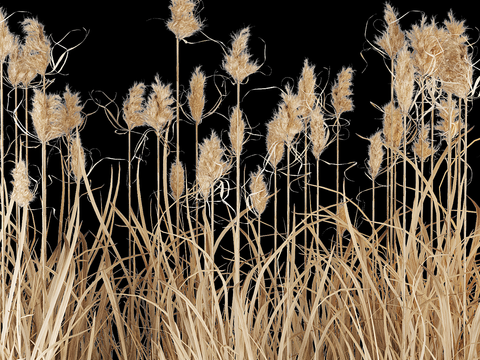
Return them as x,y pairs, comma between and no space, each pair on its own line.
449,174
236,241
2,180
288,191
178,97
404,254
464,210
337,189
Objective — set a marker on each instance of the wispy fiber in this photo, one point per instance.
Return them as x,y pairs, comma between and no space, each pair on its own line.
133,106
196,97
392,38
375,154
237,130
21,193
184,22
158,111
259,191
211,166
46,116
237,62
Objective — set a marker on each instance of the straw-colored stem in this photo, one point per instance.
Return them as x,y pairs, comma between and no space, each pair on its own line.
337,185
288,192
404,245
177,84
44,209
62,205
449,175
236,241
2,180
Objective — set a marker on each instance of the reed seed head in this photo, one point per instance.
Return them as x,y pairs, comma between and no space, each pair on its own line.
177,179
341,219
184,22
392,125
20,68
133,106
237,130
306,88
455,68
21,193
237,63
6,38
426,41
211,166
289,115
318,132
71,111
196,97
449,126
259,191
37,45
275,142
341,91
422,147
393,38
158,111
375,154
46,115
77,158
404,79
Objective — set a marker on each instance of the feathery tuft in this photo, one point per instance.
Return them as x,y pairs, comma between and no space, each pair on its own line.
422,147
211,166
71,111
393,38
237,130
6,38
306,88
341,91
46,116
177,179
259,192
21,193
392,125
183,22
37,45
133,106
77,158
196,97
375,154
318,132
275,142
158,111
404,79
289,116
237,63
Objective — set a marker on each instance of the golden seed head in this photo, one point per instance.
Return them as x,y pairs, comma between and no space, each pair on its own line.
392,125
158,111
20,65
341,219
184,22
259,192
21,193
275,142
46,116
456,66
211,166
404,79
341,91
237,130
133,106
318,132
237,63
77,158
196,97
6,38
306,88
450,125
71,111
393,38
289,116
422,147
177,179
375,154
37,45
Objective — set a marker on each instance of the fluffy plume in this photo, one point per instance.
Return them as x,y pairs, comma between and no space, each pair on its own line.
259,192
211,166
196,97
6,38
392,125
237,130
177,179
37,45
46,116
306,88
341,91
71,111
20,67
158,111
183,22
275,142
289,116
133,106
422,148
77,158
450,123
341,219
393,38
21,193
237,63
404,79
455,68
318,132
375,154
426,41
